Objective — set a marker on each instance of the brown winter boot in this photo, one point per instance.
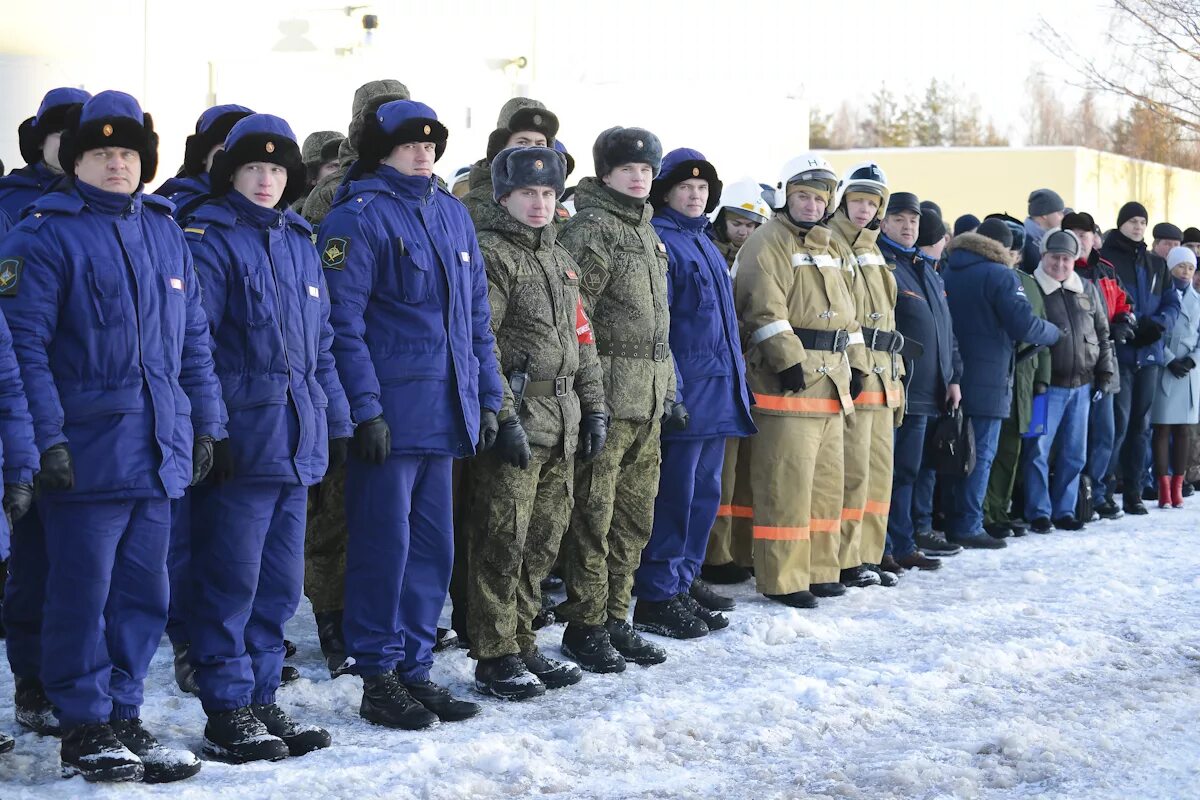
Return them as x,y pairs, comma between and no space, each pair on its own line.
1164,491
1177,491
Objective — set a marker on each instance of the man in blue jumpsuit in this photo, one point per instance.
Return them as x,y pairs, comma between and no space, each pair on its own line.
115,356
416,355
192,186
711,382
25,587
268,311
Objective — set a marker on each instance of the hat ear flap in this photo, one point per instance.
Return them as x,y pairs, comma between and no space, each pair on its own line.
715,187
67,144
373,143
30,144
150,155
221,175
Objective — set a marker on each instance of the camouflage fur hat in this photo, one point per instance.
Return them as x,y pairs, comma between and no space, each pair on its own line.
367,100
314,145
617,146
512,106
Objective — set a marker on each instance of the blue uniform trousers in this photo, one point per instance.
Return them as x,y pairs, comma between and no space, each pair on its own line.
25,594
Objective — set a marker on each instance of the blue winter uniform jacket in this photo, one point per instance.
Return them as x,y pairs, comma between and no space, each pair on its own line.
18,453
923,315
268,314
711,373
1148,282
991,315
112,342
19,188
411,321
186,193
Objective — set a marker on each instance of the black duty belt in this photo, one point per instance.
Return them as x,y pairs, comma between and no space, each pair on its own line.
655,351
877,339
559,387
833,341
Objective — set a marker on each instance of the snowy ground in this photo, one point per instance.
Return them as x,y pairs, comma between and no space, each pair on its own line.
1067,665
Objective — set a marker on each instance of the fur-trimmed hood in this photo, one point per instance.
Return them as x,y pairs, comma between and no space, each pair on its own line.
977,245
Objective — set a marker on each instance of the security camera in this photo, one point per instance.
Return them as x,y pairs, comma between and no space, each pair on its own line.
370,22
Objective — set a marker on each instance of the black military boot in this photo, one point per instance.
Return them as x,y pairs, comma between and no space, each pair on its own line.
95,752
288,674
333,644
552,583
714,620
827,589
300,739
591,648
887,579
554,674
32,709
447,638
238,737
289,649
667,618
631,646
386,702
6,743
858,577
508,678
794,599
725,574
185,673
159,764
933,543
702,592
438,699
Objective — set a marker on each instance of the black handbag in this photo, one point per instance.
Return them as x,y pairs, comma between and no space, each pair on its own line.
952,445
1085,503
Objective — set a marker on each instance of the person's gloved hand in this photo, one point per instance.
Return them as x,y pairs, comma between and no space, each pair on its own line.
18,497
1148,332
675,416
792,378
57,472
1039,388
373,440
512,444
222,462
1121,329
1180,367
856,383
489,427
593,433
202,458
337,453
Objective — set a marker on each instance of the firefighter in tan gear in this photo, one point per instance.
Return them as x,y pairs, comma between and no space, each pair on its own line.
797,315
740,213
880,407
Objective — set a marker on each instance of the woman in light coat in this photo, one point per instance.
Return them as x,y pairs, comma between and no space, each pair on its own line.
1176,404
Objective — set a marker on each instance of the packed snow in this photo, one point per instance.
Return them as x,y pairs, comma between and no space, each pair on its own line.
1067,665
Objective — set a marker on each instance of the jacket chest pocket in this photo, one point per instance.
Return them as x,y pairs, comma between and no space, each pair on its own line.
106,288
706,290
570,288
416,276
260,306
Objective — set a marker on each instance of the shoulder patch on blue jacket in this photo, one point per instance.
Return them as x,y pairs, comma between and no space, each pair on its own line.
357,201
10,275
333,255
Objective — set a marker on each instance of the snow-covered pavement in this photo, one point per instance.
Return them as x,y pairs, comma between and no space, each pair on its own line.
1067,665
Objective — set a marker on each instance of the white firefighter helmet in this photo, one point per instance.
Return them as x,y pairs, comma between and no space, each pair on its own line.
810,167
744,198
868,177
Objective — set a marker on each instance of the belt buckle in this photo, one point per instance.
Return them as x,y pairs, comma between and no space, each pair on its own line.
874,339
841,340
660,351
560,386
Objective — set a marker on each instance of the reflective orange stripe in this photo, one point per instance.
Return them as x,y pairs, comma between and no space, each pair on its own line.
876,507
772,402
852,514
877,398
780,534
825,525
741,512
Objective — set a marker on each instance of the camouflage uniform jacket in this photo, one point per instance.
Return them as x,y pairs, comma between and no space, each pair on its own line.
624,285
533,288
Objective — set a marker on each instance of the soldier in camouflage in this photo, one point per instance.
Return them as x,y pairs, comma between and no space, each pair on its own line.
320,155
325,533
521,496
624,287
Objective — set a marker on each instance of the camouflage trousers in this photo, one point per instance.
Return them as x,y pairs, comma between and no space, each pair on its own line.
514,521
611,523
325,544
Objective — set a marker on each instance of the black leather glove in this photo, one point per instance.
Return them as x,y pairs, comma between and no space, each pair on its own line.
856,383
1180,367
202,458
489,427
593,433
373,440
792,378
675,417
337,453
222,462
1148,332
1101,380
1039,388
1120,330
56,472
18,497
512,444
